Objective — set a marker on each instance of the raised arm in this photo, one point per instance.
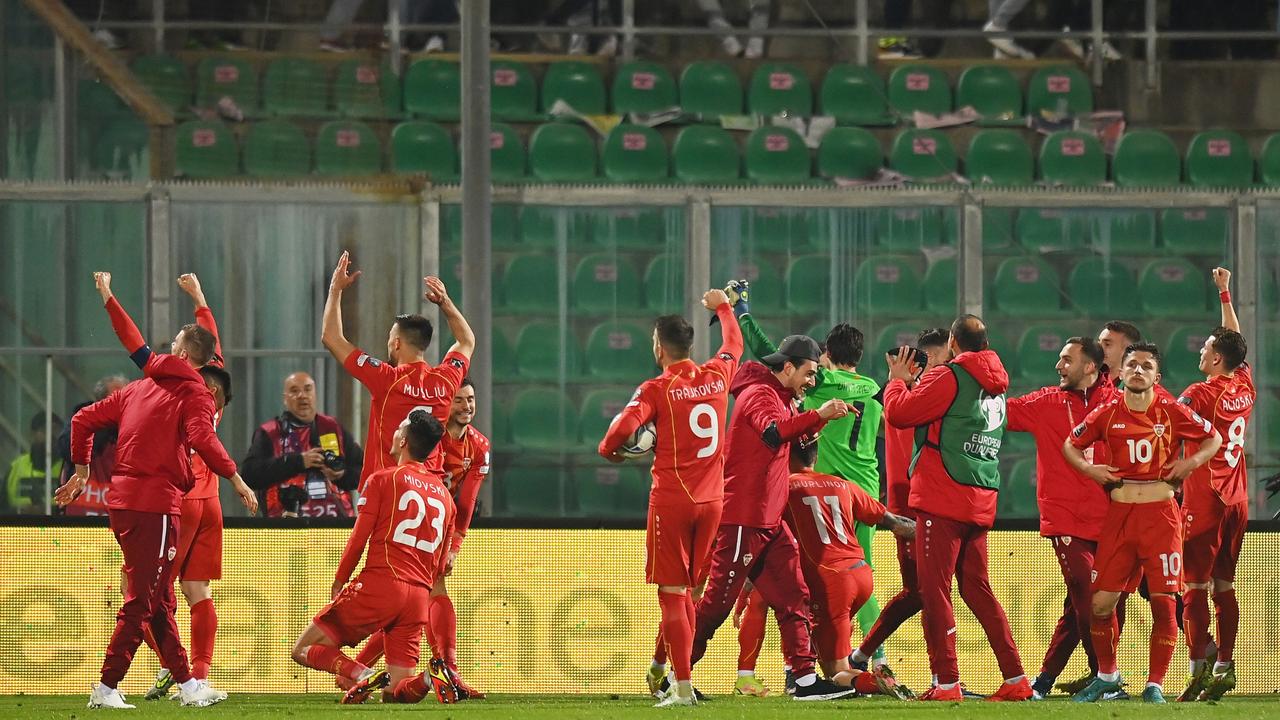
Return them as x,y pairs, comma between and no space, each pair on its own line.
731,333
464,340
331,326
927,401
1222,278
123,325
190,284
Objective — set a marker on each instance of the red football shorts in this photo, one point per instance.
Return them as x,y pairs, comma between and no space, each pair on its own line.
678,543
371,603
1214,535
834,598
200,540
1137,539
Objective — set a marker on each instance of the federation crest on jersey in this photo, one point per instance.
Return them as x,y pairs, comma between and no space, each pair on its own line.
747,558
1158,429
466,463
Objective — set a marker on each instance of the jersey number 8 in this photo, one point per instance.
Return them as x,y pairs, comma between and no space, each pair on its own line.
411,524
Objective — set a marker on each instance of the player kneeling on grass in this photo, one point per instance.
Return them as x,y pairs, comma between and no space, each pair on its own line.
822,511
410,508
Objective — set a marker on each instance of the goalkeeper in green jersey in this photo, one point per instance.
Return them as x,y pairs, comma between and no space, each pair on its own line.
846,447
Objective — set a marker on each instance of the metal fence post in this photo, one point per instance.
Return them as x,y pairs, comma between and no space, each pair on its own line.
160,264
970,285
864,39
1150,41
698,260
628,29
1096,30
48,436
393,33
157,24
63,155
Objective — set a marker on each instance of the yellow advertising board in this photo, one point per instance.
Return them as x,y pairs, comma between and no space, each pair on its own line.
539,611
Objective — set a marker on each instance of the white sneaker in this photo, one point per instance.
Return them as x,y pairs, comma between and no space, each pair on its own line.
435,44
101,697
203,695
609,47
731,46
674,699
755,49
1073,46
1006,46
578,45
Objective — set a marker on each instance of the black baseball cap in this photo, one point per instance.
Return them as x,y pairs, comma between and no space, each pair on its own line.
794,346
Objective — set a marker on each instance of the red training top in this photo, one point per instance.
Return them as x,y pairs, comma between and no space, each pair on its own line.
1226,401
466,465
898,444
821,510
1141,443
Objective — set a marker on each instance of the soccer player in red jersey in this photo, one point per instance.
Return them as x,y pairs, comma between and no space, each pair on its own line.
1142,531
405,382
821,511
160,420
1215,502
687,405
405,519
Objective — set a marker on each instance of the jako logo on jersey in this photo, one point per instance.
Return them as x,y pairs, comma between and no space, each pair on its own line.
1118,426
993,410
1078,430
373,362
456,363
1158,429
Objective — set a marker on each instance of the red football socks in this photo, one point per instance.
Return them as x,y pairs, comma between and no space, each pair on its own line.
1164,635
332,660
675,627
1106,635
151,640
660,648
1228,611
444,630
204,627
374,648
1195,621
411,690
751,632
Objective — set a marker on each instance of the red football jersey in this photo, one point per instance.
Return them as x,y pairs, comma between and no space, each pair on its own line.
466,465
688,405
821,510
1226,401
206,482
1140,444
410,513
398,391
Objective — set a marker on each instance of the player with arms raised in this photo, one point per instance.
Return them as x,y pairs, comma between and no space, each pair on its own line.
687,404
406,520
1215,502
1142,532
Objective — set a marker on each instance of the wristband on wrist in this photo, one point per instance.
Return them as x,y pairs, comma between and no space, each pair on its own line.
1225,296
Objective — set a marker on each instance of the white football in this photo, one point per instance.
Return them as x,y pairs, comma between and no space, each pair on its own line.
640,443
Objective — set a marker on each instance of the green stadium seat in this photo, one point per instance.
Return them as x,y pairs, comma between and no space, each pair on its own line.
909,228
513,93
1099,287
1269,161
544,419
707,155
1219,158
1172,287
362,89
780,89
577,83
599,407
295,86
1053,229
994,92
620,352
887,285
507,160
276,148
1026,286
924,155
710,89
887,337
1146,158
348,147
635,154
611,491
777,156
166,77
1071,157
809,284
1125,232
1180,357
854,95
664,284
778,228
849,153
223,76
421,146
542,225
562,153
919,87
451,273
433,90
605,283
941,282
629,227
641,86
532,491
96,103
997,230
1017,497
1196,231
999,157
1038,350
503,227
121,149
206,149
541,354
1062,89
532,281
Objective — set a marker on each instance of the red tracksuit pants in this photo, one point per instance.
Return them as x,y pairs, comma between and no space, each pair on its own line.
149,542
771,560
947,549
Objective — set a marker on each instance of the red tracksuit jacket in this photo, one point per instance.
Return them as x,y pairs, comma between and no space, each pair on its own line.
757,452
160,419
932,490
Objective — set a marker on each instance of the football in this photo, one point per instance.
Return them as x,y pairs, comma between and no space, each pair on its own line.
640,442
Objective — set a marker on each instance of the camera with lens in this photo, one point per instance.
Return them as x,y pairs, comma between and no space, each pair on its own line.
291,499
333,461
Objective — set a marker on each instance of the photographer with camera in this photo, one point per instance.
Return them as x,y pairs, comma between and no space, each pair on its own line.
303,463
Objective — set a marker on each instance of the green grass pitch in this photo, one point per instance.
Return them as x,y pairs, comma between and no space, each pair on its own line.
540,707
